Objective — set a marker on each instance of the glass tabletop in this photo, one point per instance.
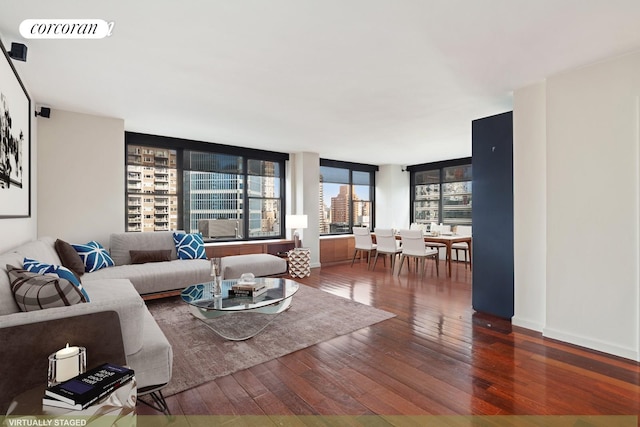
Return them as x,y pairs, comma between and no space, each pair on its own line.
201,295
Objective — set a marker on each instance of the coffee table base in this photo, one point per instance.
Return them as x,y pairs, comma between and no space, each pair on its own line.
221,322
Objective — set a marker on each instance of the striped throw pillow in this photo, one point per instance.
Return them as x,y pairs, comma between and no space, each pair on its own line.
33,291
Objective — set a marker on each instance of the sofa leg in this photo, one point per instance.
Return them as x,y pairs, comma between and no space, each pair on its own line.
158,402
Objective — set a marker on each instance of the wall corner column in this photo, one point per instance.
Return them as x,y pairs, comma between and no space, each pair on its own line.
305,199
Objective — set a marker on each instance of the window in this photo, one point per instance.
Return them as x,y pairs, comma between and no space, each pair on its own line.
426,205
265,204
226,193
456,195
441,192
213,190
346,196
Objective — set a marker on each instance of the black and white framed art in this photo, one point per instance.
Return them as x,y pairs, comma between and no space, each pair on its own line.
15,142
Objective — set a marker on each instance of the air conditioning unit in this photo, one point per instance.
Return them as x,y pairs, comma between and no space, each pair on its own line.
220,228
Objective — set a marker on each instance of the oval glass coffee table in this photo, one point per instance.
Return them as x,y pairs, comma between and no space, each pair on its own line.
239,318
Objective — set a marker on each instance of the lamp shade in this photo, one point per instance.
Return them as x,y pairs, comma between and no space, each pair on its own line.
296,221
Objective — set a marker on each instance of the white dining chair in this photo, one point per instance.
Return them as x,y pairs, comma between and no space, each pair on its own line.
364,243
439,229
418,226
462,230
413,247
387,245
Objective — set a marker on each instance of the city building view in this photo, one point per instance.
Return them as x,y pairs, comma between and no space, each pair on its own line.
443,196
213,203
152,204
263,192
347,201
213,195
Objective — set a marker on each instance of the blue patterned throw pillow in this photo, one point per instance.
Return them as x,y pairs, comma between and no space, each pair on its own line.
94,256
33,266
189,246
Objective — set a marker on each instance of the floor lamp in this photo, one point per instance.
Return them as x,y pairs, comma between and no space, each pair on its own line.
296,222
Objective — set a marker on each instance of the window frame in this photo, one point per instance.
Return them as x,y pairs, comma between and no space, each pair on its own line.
353,167
440,167
183,145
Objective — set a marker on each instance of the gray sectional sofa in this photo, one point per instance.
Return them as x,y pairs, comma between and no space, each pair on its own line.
158,277
152,277
147,350
119,288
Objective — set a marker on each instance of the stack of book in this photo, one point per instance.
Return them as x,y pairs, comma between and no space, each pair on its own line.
244,289
86,389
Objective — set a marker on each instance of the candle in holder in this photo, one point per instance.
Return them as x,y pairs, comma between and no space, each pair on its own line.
67,363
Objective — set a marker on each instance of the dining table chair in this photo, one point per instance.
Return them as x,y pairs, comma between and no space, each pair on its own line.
364,243
436,228
462,230
387,245
413,246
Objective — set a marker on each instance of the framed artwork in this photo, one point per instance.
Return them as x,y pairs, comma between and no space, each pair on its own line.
15,142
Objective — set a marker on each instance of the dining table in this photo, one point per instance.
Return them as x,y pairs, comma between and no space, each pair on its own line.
448,240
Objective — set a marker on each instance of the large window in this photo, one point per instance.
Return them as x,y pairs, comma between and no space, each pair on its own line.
264,196
347,192
226,193
441,192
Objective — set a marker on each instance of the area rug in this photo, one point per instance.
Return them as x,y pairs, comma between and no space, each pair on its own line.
200,355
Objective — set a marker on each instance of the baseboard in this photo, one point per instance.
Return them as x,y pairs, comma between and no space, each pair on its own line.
527,324
605,347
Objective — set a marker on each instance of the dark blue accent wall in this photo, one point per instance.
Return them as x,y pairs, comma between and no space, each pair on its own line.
492,154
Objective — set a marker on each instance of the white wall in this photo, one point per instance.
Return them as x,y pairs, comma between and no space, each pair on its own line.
392,197
592,215
80,177
592,289
530,206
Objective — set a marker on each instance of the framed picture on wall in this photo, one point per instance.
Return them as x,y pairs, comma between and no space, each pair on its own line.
15,142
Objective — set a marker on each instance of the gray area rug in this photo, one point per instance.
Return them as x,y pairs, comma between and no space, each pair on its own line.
200,355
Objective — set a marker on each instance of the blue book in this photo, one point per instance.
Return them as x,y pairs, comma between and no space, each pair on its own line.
87,388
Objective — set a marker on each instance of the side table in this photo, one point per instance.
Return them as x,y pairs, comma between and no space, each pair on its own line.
120,406
300,262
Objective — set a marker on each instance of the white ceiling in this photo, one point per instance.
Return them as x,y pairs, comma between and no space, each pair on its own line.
370,81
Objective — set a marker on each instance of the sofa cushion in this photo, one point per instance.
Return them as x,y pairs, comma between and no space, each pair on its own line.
33,291
159,255
58,270
7,302
156,277
69,257
94,256
189,246
121,243
41,249
260,265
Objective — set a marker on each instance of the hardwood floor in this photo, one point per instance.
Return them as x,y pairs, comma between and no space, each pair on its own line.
437,356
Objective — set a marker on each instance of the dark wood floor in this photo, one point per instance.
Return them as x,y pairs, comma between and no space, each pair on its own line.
435,357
